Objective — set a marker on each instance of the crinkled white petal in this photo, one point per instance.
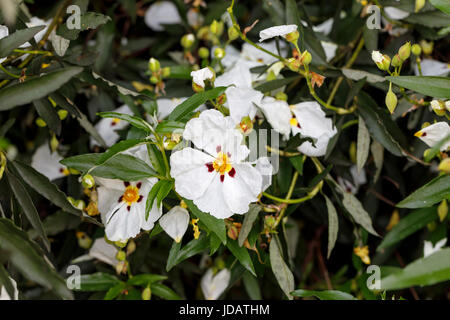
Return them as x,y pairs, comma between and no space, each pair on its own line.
278,114
256,57
4,294
275,31
35,22
395,13
434,133
432,67
175,222
377,57
429,249
239,75
265,168
214,285
241,102
3,33
201,75
161,13
47,162
103,251
107,127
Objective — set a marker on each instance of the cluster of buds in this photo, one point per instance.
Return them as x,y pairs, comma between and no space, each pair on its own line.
299,60
403,54
157,74
440,107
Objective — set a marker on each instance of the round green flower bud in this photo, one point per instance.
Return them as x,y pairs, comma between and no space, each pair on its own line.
293,64
165,72
120,244
154,65
121,255
281,96
438,107
306,58
154,79
416,49
203,53
405,51
62,114
427,47
219,53
40,122
293,36
391,101
187,40
233,33
396,61
147,294
80,204
215,27
88,181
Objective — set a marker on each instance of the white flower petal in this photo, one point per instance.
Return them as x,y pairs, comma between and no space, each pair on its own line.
161,13
4,294
214,285
432,67
35,22
265,168
429,249
271,32
395,13
47,162
175,222
107,127
241,102
325,27
213,200
3,33
201,75
377,57
239,75
434,133
330,49
103,251
166,106
278,114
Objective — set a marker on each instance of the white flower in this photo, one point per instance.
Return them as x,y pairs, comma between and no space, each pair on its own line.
36,22
434,133
166,106
122,207
107,127
255,57
4,294
330,49
239,75
175,222
161,13
103,251
306,118
217,179
395,13
271,32
429,249
241,102
432,67
3,33
201,75
47,163
377,57
325,27
358,180
214,285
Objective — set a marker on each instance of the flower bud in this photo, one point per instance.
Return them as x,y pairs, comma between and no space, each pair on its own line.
197,88
306,58
293,64
447,105
120,244
427,47
405,51
40,122
187,40
416,49
79,204
203,53
381,60
121,255
444,166
147,294
219,53
281,96
269,221
54,143
233,33
131,247
292,36
442,210
154,79
62,114
154,65
396,61
271,76
438,107
88,181
391,100
213,27
419,5
233,232
246,125
165,72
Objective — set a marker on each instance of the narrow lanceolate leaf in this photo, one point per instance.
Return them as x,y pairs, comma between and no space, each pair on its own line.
168,126
356,210
27,205
251,286
97,282
42,185
163,191
35,88
45,109
363,144
423,272
27,257
194,102
164,292
433,192
280,269
249,220
5,281
378,155
434,151
133,120
152,197
118,148
13,41
407,225
324,295
443,5
241,253
123,166
194,247
156,159
436,87
275,84
213,224
333,225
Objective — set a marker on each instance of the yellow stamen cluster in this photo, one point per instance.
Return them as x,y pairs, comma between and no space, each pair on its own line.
194,223
131,195
363,253
222,163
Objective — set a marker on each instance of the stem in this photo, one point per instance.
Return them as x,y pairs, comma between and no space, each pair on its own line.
8,73
349,124
283,153
288,197
47,53
419,66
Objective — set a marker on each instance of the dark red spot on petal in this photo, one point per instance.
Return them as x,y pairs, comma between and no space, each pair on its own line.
140,198
232,172
61,170
298,125
126,183
128,208
210,167
424,134
120,199
113,123
138,185
222,177
218,149
228,154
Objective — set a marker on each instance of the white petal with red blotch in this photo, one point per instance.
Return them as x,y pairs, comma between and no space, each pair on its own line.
434,133
241,102
106,127
278,114
47,162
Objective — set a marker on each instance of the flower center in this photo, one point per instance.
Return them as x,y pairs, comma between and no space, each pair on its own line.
222,164
131,194
114,121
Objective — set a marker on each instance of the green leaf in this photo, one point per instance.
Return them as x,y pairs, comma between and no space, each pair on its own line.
156,159
28,259
6,282
213,224
123,166
118,148
13,41
436,87
193,247
45,109
241,253
251,286
35,88
6,126
249,219
28,207
297,163
164,292
88,20
280,269
115,291
145,279
434,151
275,84
356,210
361,74
432,19
324,295
380,124
163,191
443,5
363,144
168,126
133,120
97,282
378,154
407,225
423,272
433,192
333,225
194,102
152,194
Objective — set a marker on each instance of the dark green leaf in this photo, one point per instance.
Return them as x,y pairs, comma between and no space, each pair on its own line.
118,148
97,282
247,225
280,269
13,41
433,192
324,295
47,112
164,292
133,120
436,87
241,253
